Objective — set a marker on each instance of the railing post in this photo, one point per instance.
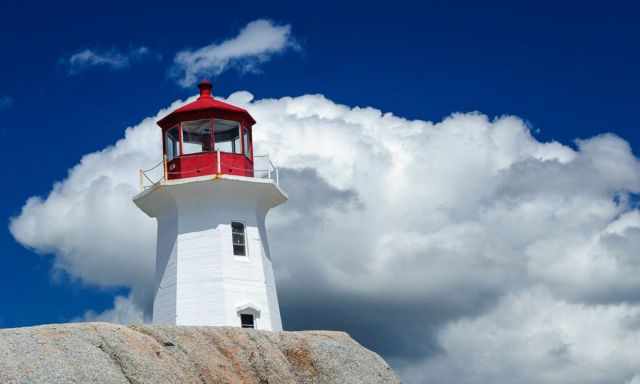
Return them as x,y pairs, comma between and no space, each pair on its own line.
164,166
141,180
218,161
277,176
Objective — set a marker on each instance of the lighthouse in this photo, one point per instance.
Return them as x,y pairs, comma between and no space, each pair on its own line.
213,265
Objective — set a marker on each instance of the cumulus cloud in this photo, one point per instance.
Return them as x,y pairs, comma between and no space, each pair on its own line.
256,43
124,311
533,337
113,59
425,240
81,215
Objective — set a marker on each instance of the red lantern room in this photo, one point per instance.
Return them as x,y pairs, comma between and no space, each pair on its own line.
207,137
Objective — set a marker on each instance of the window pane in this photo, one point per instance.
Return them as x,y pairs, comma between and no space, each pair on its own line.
238,250
172,143
247,142
237,227
196,136
227,136
225,146
238,238
236,145
247,321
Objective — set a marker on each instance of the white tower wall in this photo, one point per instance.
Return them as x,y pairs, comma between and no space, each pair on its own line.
199,281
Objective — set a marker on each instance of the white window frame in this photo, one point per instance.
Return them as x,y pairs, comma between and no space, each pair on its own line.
244,257
249,309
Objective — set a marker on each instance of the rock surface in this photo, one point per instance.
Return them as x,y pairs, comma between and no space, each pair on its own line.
109,353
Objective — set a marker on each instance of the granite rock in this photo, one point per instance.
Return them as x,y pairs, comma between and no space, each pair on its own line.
140,354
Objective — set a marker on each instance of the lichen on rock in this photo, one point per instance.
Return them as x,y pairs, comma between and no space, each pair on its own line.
140,354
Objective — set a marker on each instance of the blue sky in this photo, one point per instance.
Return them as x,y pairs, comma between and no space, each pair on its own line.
569,71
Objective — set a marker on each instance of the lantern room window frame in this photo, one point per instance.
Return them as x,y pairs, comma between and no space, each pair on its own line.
244,140
233,130
172,146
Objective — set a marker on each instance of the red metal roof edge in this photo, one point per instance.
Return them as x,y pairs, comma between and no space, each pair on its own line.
205,102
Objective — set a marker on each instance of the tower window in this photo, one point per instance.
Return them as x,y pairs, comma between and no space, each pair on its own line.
238,238
247,320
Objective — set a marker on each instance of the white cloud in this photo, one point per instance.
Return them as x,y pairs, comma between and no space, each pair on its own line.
113,59
634,380
410,225
89,221
5,102
124,311
534,338
256,43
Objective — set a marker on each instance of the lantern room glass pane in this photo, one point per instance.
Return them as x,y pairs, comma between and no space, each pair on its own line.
172,143
227,136
196,136
247,141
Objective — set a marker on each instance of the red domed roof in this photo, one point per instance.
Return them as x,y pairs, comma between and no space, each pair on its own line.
206,107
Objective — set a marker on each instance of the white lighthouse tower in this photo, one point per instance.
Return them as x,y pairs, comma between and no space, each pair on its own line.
213,265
